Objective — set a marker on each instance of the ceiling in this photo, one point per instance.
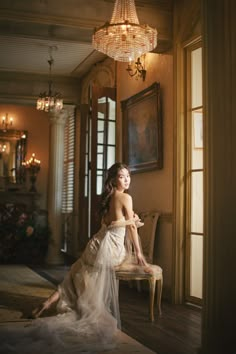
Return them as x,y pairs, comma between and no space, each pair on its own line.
29,28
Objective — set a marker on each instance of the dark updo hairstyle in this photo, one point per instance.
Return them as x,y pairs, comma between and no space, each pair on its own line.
109,185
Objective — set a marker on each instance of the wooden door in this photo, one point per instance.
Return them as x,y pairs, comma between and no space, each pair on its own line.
98,131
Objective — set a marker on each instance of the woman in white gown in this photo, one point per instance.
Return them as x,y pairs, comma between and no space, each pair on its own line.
87,299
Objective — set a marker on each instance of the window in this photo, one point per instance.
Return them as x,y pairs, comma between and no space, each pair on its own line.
194,175
106,132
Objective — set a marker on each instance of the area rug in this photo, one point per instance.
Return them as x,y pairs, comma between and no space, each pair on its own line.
21,290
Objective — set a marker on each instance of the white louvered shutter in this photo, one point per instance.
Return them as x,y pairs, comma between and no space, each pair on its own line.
68,168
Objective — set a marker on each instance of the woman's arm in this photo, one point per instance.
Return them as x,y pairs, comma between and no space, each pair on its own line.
129,214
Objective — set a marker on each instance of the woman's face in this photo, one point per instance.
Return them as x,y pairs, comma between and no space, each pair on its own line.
123,180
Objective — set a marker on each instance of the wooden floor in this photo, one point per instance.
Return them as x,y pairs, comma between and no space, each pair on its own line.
178,331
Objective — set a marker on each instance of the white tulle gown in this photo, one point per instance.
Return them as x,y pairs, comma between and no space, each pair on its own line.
88,309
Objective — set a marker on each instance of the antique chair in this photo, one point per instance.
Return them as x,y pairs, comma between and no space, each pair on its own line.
134,272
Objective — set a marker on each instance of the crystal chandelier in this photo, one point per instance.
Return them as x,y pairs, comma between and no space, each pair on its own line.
123,38
48,101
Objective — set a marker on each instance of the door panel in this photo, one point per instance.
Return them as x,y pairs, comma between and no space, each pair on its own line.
98,132
103,115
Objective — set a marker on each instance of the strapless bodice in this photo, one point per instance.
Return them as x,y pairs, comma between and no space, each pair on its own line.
119,223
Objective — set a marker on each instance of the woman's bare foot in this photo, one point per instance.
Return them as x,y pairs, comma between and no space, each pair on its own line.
45,305
39,310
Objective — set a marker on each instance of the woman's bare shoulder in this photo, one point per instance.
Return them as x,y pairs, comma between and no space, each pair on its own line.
125,197
120,195
126,200
122,198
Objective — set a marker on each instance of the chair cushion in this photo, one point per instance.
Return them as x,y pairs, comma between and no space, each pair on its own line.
133,270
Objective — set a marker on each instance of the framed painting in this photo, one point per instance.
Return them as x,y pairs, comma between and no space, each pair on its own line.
142,130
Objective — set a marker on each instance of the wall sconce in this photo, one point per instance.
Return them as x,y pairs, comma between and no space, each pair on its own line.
3,147
6,122
138,69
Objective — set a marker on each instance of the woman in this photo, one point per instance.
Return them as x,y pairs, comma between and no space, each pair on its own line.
87,299
106,247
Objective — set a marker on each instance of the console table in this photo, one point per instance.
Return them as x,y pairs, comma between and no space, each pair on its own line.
29,199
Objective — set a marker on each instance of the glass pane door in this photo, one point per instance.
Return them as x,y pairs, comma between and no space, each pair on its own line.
194,173
97,154
103,145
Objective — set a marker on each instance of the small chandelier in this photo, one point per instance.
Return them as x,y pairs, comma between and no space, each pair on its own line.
138,69
123,38
6,122
48,101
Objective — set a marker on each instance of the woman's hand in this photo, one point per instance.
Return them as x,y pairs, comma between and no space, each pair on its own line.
137,220
140,259
136,217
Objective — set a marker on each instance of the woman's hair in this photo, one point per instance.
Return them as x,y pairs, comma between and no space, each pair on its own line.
109,185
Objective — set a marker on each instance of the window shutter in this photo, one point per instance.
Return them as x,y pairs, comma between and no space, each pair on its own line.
68,168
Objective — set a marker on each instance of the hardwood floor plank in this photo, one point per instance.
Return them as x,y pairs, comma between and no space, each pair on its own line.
178,331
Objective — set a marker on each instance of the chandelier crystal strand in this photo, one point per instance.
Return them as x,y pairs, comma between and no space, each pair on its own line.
124,39
124,10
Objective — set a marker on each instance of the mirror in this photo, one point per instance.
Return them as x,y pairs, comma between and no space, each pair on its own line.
13,144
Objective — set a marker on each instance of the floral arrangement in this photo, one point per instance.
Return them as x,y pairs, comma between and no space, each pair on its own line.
24,235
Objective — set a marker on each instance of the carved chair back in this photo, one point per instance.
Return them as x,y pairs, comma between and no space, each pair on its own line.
147,233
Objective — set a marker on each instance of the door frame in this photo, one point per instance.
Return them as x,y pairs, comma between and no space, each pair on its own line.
179,172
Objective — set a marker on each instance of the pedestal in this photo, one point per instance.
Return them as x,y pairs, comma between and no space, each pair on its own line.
33,179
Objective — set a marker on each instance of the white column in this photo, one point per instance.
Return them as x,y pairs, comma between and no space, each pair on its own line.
219,307
55,183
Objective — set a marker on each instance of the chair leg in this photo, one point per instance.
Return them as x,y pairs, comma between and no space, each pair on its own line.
138,284
159,294
152,287
130,282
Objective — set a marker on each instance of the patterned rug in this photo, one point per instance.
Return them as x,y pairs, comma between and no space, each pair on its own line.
21,290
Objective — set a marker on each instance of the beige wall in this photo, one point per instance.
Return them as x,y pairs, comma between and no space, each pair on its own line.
150,190
153,190
37,125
